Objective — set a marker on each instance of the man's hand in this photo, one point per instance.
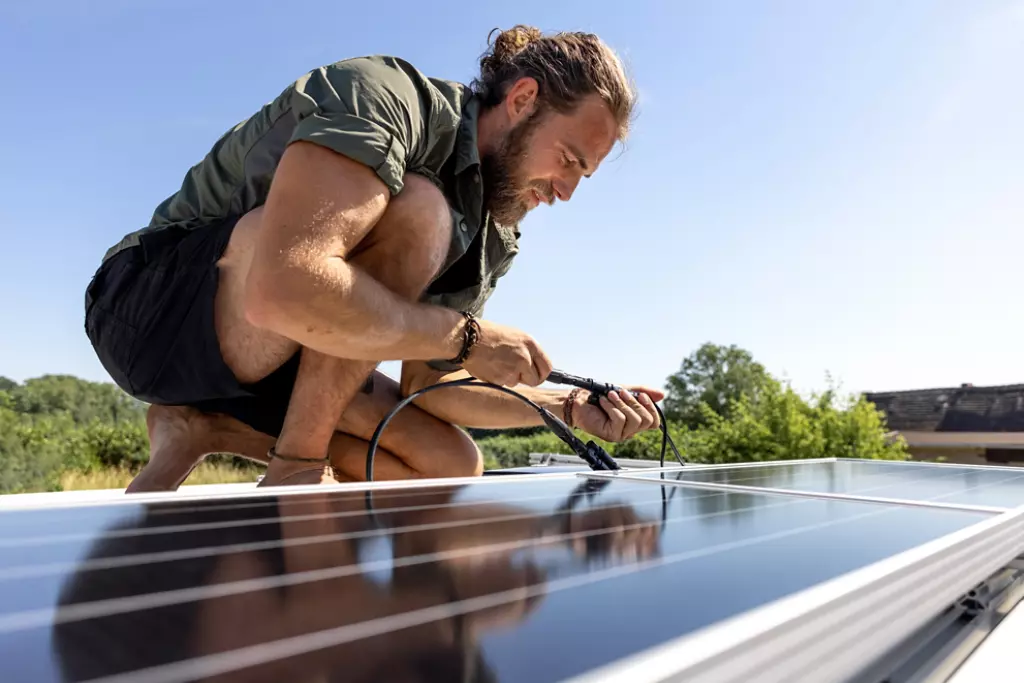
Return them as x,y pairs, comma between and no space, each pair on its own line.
507,356
620,415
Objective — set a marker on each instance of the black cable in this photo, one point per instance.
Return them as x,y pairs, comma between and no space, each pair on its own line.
594,455
666,440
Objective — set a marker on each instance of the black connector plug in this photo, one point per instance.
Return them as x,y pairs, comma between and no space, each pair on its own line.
594,455
602,455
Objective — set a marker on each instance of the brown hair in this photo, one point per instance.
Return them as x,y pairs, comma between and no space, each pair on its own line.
566,66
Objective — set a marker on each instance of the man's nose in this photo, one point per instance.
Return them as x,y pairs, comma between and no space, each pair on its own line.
564,188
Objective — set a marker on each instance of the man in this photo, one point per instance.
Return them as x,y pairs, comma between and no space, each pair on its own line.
365,214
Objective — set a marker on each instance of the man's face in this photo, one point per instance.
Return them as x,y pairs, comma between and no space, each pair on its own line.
544,156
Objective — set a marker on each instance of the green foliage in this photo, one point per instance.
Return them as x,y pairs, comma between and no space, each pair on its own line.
511,431
514,451
778,425
715,376
124,444
6,384
57,424
782,426
83,401
30,455
647,445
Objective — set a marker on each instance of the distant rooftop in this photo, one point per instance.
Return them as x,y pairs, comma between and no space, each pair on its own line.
966,408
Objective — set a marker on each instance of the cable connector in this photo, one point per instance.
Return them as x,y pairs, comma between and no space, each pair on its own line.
592,454
598,389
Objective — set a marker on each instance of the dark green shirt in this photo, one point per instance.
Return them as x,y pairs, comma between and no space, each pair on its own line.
385,114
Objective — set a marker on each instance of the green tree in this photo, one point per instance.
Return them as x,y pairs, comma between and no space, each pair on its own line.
84,401
514,451
32,450
715,376
781,425
6,384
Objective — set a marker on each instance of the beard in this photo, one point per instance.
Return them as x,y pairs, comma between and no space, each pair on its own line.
504,184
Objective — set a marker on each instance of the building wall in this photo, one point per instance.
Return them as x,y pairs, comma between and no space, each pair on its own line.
968,456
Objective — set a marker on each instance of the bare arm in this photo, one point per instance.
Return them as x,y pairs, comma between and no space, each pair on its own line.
300,285
479,407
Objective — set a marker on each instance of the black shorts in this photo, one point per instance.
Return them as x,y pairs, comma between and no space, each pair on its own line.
149,316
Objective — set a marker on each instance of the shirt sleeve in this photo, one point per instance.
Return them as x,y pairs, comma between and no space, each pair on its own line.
374,110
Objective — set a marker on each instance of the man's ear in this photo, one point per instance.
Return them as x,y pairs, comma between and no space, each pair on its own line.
521,99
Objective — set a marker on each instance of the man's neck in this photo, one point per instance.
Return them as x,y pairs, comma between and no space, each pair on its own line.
489,129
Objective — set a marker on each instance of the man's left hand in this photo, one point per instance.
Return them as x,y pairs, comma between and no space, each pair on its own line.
620,415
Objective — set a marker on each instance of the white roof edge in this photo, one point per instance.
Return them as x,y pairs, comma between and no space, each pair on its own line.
118,497
997,658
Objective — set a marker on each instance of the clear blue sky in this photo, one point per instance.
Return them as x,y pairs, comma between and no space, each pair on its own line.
836,186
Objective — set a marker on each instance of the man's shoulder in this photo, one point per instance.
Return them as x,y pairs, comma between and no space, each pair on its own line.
386,77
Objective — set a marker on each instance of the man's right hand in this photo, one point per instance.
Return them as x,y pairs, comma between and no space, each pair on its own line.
507,356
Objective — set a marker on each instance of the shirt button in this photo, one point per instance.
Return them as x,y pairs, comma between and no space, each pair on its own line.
462,226
476,178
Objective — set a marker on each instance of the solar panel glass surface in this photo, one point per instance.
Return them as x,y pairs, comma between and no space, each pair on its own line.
527,580
921,482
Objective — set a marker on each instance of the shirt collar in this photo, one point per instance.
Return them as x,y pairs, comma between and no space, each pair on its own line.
467,153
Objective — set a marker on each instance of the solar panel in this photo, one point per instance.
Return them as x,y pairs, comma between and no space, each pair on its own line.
996,488
586,576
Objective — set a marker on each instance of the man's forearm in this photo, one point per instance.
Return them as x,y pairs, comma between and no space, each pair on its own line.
478,407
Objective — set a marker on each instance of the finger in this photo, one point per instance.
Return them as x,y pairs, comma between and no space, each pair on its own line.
542,362
633,421
655,394
530,374
616,418
647,415
648,405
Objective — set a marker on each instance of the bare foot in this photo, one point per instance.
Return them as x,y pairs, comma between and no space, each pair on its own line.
180,438
175,448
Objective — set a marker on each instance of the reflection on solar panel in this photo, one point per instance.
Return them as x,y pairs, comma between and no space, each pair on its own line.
817,570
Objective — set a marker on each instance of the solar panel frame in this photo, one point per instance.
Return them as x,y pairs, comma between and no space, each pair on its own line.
835,628
649,474
31,501
768,490
35,501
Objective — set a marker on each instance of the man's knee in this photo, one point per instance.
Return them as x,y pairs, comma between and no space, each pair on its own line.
414,235
462,457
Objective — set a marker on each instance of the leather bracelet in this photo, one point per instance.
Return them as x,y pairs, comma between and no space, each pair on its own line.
567,406
470,336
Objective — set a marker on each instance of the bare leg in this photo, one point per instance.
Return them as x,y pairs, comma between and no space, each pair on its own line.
414,445
403,251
